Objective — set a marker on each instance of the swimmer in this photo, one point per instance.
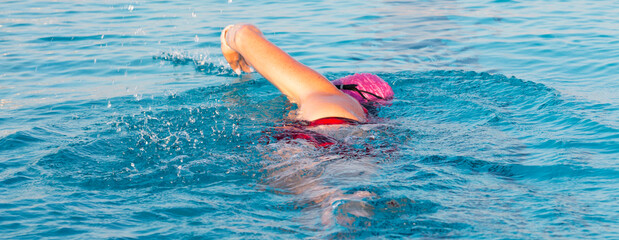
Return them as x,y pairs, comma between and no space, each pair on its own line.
319,102
244,46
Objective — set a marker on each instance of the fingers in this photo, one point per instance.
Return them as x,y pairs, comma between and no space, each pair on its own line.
232,57
236,60
235,67
244,65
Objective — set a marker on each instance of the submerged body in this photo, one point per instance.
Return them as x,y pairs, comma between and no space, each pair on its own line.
319,164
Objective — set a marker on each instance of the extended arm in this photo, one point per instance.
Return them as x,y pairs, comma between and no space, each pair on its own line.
243,45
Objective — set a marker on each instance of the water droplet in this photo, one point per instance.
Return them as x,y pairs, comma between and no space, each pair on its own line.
193,14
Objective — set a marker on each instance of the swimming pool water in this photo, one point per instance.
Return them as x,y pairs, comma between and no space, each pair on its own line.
119,119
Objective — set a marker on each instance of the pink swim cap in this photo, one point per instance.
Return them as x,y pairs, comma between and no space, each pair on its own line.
367,88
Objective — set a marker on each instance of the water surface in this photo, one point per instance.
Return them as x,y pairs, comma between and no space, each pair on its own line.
120,119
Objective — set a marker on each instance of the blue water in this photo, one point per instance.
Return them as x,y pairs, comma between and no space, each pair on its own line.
120,119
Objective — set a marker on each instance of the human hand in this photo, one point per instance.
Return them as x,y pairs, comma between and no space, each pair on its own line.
234,58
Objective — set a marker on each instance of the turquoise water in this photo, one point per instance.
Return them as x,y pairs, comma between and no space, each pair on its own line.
119,119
